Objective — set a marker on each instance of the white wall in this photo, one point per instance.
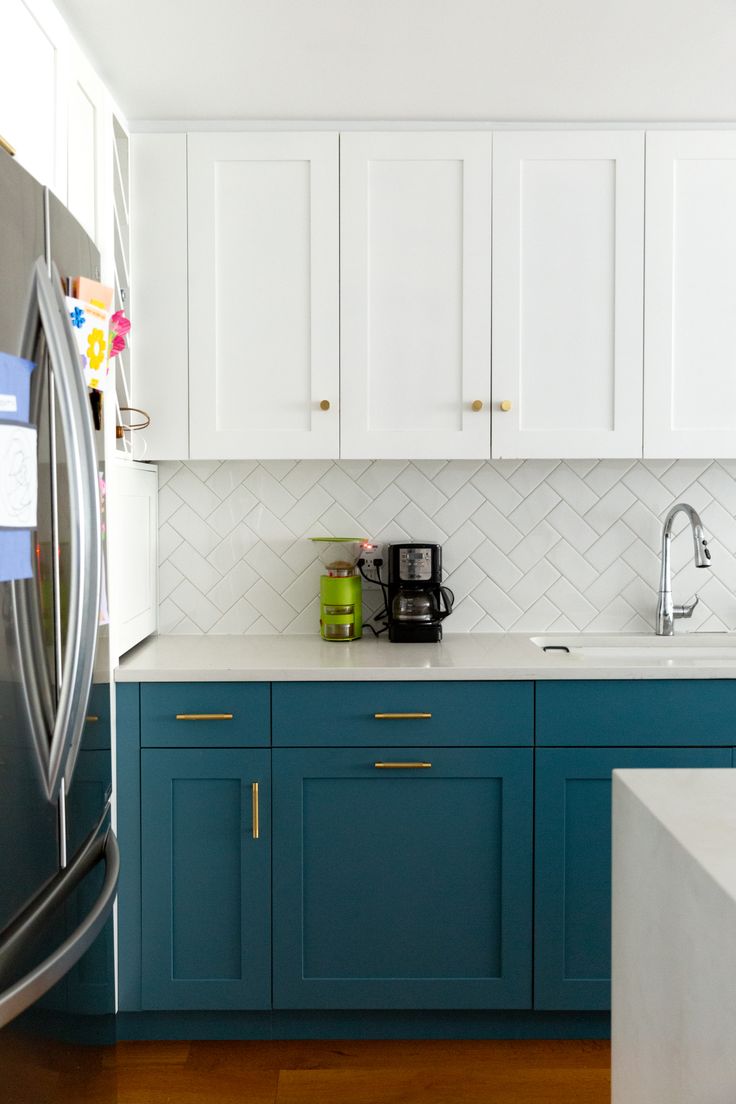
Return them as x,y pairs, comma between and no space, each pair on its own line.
416,59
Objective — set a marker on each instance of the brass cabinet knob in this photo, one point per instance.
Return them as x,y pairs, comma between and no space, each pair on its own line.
506,406
477,405
325,404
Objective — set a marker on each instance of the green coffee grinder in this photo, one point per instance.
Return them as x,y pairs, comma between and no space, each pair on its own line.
340,589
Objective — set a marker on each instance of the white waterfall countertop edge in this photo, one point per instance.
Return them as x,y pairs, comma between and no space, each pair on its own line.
460,656
674,936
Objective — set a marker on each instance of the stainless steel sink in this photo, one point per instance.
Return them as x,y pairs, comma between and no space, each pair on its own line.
706,648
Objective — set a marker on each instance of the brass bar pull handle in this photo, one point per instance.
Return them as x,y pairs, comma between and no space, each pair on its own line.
254,809
402,716
204,716
402,766
90,718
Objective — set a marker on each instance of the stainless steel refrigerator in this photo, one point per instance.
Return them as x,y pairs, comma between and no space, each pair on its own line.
58,855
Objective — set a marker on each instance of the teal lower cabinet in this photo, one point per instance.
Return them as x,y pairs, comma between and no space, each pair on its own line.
91,983
572,920
402,878
205,879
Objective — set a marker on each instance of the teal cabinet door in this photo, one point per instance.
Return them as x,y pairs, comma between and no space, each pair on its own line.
399,885
205,879
572,921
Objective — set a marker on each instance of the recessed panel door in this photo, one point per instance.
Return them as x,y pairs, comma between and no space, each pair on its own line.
572,892
402,877
568,242
263,295
690,349
415,251
206,920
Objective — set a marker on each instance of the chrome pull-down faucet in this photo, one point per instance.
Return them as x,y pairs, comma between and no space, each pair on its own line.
667,613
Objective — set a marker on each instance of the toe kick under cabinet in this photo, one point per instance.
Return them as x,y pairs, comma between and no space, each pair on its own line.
397,846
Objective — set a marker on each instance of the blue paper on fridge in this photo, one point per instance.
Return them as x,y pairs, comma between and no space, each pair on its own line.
18,469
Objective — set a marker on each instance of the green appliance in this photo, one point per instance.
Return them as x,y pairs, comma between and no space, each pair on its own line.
340,589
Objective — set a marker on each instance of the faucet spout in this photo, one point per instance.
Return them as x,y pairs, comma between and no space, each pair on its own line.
667,612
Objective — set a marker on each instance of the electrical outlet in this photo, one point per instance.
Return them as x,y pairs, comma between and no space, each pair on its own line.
371,556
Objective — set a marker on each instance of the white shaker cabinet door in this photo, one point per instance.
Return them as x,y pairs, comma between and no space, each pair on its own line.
33,88
415,294
690,344
88,147
263,295
568,241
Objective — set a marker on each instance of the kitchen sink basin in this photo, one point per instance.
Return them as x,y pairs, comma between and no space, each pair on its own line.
695,648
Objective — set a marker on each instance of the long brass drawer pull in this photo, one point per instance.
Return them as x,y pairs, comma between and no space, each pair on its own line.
254,809
90,718
402,716
402,766
204,716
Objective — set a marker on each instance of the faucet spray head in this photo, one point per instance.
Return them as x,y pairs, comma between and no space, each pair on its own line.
700,544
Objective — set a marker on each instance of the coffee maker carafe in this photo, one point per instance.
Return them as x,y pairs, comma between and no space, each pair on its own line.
417,602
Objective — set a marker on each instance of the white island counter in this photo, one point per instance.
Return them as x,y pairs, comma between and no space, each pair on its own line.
674,937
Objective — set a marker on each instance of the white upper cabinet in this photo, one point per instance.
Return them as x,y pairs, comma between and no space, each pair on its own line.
415,301
88,144
690,348
158,279
263,295
568,234
33,74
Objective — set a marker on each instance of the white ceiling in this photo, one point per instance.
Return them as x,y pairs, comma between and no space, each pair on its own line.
414,59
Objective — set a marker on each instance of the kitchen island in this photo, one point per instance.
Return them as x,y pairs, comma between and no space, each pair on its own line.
674,936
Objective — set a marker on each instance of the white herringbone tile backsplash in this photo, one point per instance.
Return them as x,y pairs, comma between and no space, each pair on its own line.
528,546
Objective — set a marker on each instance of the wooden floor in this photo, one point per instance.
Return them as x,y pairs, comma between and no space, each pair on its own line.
505,1072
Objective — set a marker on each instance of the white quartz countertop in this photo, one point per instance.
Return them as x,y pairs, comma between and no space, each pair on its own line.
459,656
697,808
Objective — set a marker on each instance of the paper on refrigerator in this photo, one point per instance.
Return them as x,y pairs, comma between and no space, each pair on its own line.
90,324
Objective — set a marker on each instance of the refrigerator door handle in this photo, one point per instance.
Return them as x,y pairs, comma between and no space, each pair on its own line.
25,992
85,553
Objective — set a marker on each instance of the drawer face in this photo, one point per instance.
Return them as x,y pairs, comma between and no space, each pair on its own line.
348,714
644,712
212,714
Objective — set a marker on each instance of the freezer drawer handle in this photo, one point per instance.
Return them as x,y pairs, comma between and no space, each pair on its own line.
28,989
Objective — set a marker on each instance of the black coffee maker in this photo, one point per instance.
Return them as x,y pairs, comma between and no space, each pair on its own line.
417,602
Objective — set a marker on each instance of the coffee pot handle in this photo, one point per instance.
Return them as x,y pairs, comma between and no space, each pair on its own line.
449,600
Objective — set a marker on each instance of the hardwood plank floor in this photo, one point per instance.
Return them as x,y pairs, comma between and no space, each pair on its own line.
375,1072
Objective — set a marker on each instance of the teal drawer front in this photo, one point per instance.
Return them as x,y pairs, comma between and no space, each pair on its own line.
645,712
210,714
349,714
